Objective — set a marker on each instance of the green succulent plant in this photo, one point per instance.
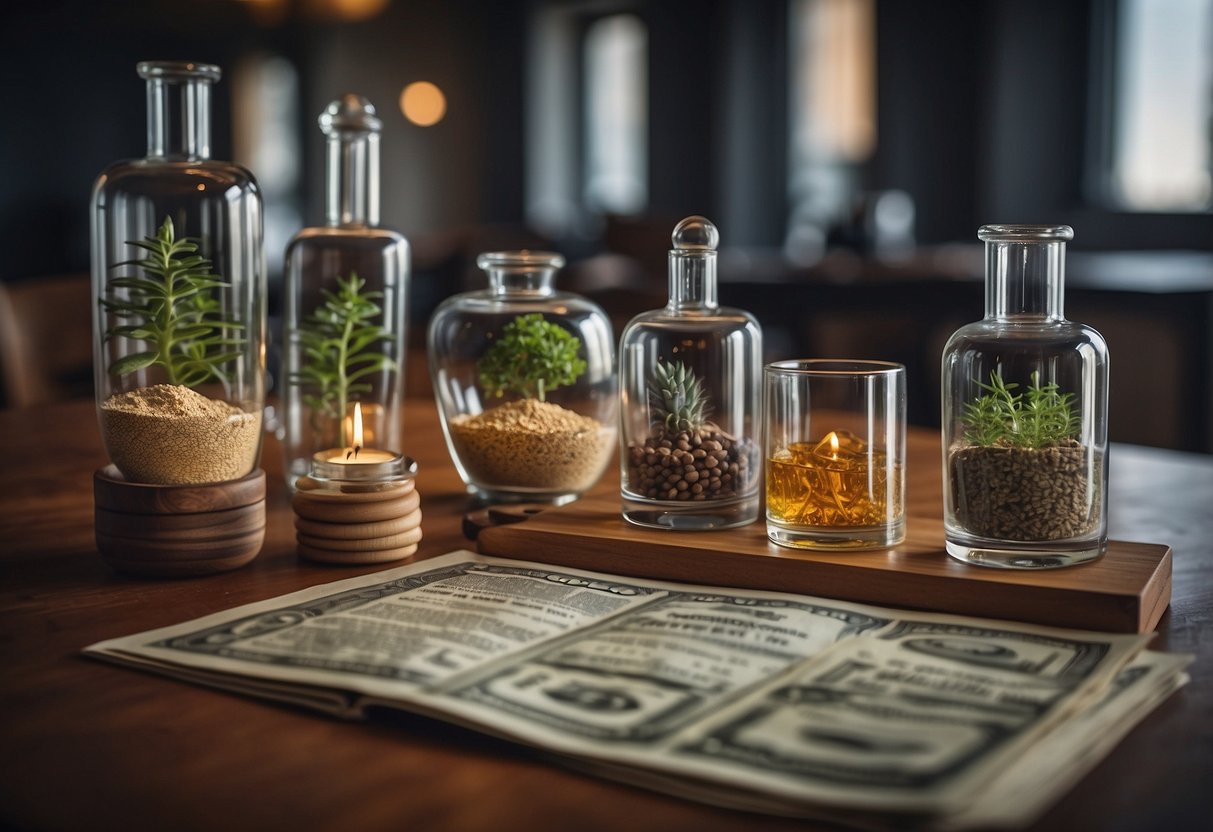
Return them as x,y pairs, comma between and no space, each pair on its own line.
531,357
338,341
171,307
1038,418
677,397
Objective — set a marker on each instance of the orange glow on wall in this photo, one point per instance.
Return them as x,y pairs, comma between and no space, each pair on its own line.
423,103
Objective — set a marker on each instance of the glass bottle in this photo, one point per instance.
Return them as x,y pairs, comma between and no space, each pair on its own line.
179,344
689,378
524,376
345,317
1025,415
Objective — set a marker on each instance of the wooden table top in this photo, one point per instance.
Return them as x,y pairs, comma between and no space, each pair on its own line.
87,745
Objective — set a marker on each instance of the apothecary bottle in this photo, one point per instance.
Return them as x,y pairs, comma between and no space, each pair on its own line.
1025,415
689,377
178,273
345,305
524,376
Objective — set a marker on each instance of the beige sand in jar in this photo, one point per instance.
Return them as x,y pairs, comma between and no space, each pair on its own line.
167,434
533,445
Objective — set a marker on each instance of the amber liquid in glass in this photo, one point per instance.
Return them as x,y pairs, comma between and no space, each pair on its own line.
836,482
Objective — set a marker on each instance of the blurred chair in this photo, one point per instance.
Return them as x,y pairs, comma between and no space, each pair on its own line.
46,352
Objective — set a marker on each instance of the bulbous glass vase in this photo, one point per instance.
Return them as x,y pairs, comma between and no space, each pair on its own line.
524,377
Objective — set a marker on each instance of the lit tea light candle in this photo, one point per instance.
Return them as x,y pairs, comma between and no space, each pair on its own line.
359,463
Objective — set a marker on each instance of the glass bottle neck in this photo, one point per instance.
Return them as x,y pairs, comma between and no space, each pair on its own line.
522,281
1025,280
352,184
692,280
178,118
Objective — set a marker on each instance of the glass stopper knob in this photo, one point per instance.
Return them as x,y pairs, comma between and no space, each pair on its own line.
695,234
350,113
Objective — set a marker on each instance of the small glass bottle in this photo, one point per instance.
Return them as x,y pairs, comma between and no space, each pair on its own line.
524,376
178,271
1025,415
690,382
345,319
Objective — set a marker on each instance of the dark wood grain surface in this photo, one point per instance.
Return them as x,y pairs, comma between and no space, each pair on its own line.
86,745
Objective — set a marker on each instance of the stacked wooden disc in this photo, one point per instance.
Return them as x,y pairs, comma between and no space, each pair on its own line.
178,530
355,523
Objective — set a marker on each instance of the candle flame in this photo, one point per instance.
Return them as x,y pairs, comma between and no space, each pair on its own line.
357,431
833,437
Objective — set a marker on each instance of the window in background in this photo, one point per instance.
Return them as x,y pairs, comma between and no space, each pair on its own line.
265,120
616,115
1162,106
831,114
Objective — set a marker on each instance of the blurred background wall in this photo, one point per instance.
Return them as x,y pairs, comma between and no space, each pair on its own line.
847,149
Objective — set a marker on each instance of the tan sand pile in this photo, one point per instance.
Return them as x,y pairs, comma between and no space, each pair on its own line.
167,434
532,444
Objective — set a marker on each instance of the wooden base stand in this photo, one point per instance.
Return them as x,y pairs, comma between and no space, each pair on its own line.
1125,591
357,522
173,531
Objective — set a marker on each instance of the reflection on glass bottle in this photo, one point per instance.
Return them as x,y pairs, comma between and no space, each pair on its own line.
345,319
178,271
689,376
1025,403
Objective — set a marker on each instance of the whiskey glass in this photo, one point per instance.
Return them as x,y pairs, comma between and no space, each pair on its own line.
835,453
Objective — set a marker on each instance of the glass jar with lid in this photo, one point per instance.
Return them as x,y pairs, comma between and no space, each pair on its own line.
178,271
524,377
1025,415
689,376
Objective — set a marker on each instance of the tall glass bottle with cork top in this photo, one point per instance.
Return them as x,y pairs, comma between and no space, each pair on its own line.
689,376
1025,415
345,319
178,271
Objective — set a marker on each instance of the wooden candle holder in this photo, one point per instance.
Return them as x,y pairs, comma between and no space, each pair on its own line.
173,531
354,523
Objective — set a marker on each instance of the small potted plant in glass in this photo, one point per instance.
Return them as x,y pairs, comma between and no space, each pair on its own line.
168,433
1019,477
685,456
524,378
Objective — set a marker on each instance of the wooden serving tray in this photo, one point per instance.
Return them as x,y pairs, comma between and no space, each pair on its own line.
1125,591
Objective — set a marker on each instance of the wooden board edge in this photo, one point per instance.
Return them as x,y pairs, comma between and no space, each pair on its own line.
1155,597
1104,612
